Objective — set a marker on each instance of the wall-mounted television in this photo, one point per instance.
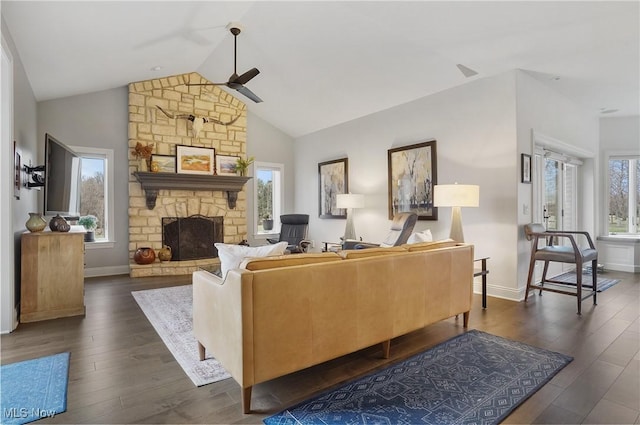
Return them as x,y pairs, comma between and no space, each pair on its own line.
61,179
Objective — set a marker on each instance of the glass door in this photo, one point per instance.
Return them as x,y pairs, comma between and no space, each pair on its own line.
555,200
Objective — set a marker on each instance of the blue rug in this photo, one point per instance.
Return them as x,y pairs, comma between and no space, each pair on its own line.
34,389
474,378
602,283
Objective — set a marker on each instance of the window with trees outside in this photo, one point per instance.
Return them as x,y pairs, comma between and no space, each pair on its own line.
268,197
624,195
96,189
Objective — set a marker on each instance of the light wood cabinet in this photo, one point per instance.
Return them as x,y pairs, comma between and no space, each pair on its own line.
52,276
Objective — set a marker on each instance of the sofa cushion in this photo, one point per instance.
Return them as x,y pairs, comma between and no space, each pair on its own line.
425,246
265,263
232,255
424,236
349,254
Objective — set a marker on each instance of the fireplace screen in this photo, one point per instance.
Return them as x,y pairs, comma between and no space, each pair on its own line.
192,238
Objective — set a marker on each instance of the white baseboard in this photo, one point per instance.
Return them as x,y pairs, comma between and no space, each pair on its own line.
629,268
500,292
106,271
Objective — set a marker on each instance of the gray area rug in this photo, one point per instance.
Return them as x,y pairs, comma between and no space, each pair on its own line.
602,282
170,311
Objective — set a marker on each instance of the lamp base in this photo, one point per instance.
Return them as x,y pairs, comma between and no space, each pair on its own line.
456,225
349,230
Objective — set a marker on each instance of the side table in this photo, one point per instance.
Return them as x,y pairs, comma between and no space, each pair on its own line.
331,246
482,271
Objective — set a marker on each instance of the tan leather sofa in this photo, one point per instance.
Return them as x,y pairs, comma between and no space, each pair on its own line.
283,314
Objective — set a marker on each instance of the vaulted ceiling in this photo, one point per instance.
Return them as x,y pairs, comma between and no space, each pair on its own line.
323,63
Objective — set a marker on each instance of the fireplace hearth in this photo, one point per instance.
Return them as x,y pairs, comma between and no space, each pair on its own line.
193,237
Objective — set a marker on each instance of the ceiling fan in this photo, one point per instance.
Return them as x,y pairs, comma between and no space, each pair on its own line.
236,81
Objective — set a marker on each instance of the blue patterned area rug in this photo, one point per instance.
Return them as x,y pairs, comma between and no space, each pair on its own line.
602,283
474,378
34,389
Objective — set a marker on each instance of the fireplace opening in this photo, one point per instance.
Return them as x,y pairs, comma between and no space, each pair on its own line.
192,238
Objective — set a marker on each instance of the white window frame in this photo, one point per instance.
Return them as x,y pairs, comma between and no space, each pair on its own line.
278,194
609,155
109,230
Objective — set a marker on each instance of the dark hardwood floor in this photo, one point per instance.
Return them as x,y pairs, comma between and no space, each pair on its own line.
121,371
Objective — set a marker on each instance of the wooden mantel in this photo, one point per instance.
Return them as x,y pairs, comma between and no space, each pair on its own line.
153,182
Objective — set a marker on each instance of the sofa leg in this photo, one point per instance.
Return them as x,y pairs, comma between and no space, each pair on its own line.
200,351
465,319
386,349
246,400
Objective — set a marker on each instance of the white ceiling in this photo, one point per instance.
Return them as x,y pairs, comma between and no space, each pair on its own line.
324,63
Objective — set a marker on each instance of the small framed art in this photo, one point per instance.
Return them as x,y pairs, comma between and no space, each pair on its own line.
525,168
226,165
164,163
192,160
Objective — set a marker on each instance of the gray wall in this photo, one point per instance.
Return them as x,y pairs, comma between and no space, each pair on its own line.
268,144
98,120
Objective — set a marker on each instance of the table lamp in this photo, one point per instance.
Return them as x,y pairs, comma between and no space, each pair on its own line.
349,201
456,196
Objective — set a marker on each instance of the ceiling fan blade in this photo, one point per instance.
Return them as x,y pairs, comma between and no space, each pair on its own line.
248,93
246,77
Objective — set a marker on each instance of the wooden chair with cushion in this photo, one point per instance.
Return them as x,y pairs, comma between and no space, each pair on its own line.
570,253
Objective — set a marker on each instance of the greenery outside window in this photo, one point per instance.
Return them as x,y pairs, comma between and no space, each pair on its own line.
96,191
268,180
623,214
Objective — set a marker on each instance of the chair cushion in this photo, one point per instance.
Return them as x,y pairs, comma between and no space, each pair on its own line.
265,263
349,254
564,254
424,236
232,255
426,246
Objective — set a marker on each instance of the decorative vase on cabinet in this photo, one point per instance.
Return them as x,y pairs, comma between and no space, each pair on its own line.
36,222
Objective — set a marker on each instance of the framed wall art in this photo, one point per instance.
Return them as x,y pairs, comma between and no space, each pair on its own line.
165,163
525,168
192,160
412,176
226,165
333,179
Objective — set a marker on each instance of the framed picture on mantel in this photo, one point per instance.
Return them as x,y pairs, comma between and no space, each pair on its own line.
192,160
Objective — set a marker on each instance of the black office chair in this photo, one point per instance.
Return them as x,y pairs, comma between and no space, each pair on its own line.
293,230
572,254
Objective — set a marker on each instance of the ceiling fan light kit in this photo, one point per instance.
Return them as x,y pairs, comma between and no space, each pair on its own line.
236,82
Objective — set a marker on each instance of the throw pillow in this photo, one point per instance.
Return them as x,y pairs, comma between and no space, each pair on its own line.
232,255
424,236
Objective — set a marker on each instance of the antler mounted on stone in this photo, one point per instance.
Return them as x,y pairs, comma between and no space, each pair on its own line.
198,122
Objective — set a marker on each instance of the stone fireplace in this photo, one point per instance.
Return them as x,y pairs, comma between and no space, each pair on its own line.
148,125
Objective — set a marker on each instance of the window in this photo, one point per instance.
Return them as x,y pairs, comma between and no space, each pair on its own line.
268,197
624,195
96,190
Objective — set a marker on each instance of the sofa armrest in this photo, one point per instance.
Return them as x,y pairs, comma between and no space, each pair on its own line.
222,324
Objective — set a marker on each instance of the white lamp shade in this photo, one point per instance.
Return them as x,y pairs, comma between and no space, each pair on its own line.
350,200
456,195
